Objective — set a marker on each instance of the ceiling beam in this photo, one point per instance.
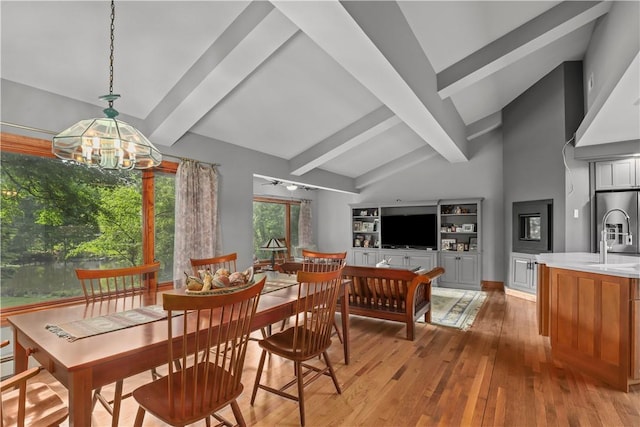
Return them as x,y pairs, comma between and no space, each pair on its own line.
486,125
546,28
249,41
358,132
393,167
329,25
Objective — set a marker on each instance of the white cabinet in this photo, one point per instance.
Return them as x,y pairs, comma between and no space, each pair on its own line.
523,272
617,174
461,270
364,257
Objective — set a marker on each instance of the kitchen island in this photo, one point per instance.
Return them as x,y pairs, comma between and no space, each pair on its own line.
591,312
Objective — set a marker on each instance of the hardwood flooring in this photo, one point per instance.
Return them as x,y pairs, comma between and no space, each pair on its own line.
498,373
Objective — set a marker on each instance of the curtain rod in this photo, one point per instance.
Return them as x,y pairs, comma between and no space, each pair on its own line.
187,158
49,132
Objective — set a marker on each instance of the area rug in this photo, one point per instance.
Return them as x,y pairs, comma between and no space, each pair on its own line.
455,308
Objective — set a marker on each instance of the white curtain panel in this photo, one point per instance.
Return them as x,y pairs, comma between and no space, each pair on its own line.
305,229
197,231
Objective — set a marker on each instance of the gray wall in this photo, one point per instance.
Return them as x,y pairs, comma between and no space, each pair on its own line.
536,127
433,180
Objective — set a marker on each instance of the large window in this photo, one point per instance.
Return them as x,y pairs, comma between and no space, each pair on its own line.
58,216
273,218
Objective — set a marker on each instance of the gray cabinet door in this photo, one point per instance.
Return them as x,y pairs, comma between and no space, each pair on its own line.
468,269
523,272
616,174
450,264
461,270
365,257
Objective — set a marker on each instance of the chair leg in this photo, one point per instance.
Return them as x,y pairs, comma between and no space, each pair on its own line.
300,377
139,417
258,375
155,374
94,400
238,414
333,374
335,326
117,401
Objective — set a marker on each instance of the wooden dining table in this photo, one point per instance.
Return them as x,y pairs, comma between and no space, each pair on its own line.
95,361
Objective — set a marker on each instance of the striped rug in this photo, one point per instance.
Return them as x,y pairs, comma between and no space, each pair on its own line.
455,308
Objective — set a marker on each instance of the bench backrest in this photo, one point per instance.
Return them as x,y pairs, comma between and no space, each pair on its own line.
388,287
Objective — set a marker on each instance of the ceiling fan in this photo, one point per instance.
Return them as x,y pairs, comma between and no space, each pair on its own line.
290,185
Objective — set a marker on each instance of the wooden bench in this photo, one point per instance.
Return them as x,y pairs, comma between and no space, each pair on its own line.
391,294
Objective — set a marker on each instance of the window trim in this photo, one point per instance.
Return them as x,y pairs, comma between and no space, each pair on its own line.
20,144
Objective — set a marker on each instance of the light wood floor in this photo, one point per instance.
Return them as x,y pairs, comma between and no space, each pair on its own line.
498,373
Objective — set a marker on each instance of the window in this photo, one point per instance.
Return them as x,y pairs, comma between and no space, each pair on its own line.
58,216
274,218
532,226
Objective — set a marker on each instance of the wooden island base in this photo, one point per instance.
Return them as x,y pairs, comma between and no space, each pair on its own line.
594,323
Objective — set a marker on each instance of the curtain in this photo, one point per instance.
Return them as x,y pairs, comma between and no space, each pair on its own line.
305,229
197,229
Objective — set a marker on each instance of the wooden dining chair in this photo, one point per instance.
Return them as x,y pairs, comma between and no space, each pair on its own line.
209,336
29,404
227,261
324,261
308,337
116,283
287,267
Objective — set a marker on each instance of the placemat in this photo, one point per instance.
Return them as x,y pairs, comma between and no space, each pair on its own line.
83,328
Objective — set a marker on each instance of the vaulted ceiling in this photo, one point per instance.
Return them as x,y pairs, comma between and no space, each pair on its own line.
360,89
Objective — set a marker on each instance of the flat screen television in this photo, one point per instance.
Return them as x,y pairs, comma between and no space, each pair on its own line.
417,231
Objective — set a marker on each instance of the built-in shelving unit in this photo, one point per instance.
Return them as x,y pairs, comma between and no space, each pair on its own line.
365,227
457,245
460,224
459,227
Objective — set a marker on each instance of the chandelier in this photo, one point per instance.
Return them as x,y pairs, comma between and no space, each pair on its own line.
107,142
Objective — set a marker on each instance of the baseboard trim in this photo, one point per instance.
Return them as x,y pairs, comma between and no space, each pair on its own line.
492,285
520,294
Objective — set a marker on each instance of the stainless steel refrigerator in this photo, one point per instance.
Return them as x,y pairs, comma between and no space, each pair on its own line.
616,225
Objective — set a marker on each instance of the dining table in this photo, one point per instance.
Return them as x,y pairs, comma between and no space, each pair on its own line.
87,363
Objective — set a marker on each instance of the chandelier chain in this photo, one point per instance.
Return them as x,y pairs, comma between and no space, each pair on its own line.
107,142
112,29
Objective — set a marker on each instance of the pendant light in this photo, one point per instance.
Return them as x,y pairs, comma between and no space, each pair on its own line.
107,142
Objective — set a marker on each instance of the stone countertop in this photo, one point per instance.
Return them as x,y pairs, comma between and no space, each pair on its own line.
618,265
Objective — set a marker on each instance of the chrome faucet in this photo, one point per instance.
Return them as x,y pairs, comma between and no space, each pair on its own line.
604,247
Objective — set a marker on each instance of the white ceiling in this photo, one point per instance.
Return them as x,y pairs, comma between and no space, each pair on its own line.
350,88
